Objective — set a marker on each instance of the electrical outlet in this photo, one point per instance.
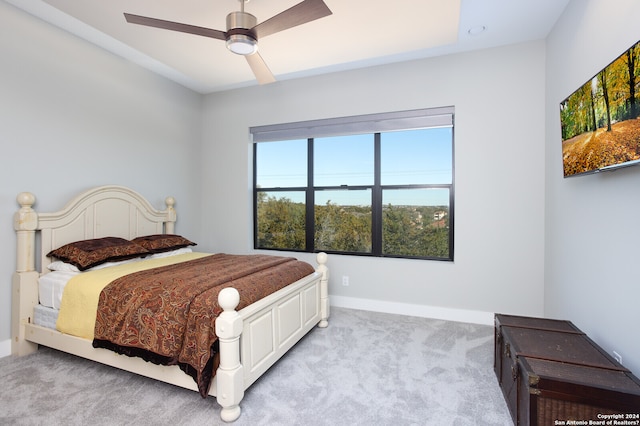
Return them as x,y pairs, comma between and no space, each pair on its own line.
345,280
617,357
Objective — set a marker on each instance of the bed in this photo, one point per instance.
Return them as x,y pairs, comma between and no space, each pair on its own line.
249,340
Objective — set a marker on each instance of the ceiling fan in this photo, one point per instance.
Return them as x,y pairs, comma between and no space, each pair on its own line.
243,32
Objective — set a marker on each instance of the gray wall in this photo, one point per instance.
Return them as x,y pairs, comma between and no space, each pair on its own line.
498,96
592,233
72,117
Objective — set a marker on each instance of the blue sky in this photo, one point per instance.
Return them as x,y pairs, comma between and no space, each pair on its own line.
408,157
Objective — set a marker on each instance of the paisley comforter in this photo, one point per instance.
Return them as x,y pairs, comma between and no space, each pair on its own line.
167,315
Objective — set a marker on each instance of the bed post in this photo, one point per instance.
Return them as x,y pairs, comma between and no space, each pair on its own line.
229,376
322,269
169,225
25,279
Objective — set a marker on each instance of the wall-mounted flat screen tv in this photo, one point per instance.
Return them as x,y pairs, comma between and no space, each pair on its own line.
600,121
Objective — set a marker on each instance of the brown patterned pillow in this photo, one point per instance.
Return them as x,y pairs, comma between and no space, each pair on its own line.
89,253
160,243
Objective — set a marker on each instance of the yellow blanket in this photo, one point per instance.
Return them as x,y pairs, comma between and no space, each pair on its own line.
81,294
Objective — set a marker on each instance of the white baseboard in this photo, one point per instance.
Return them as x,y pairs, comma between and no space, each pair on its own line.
424,311
5,348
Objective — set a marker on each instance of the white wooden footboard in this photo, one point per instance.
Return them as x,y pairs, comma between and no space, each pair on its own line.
251,340
254,338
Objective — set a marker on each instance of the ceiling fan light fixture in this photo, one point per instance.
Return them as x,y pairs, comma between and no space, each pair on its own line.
240,39
243,32
241,44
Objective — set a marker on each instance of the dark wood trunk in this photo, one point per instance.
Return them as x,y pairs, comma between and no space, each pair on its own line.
550,372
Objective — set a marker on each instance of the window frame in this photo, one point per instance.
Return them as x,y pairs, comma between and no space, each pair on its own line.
396,121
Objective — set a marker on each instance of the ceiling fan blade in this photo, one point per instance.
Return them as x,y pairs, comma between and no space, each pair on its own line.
301,13
260,69
175,26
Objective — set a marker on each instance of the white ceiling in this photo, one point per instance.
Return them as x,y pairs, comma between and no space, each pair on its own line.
359,33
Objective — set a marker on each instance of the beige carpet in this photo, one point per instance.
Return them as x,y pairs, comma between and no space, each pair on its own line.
364,369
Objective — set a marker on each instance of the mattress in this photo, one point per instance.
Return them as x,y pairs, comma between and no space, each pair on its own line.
45,316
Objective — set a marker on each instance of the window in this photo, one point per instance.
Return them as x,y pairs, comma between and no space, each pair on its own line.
378,185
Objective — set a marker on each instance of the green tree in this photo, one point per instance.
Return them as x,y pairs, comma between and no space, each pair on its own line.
343,228
396,231
281,223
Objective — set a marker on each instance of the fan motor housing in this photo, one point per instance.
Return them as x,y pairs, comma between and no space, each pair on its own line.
241,20
241,38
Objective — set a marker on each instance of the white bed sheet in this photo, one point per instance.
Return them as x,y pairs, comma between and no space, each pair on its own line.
51,286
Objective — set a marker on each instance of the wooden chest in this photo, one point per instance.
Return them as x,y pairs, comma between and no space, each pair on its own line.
551,373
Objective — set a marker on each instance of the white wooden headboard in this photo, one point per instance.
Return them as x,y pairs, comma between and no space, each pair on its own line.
99,212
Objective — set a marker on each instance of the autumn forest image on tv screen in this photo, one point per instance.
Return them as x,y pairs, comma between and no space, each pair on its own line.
600,121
